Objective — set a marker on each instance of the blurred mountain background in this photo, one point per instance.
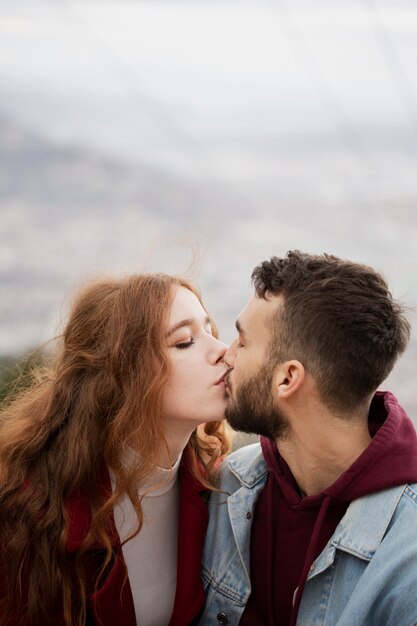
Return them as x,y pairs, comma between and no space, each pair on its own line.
202,137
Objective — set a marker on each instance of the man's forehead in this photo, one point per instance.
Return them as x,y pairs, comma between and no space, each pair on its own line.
257,312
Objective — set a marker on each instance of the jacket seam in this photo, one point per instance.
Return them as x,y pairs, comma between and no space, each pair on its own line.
244,483
412,495
217,586
367,553
361,555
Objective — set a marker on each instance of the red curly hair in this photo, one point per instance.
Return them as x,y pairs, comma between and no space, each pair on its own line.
101,395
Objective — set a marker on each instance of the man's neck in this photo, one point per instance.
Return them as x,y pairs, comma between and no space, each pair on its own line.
321,450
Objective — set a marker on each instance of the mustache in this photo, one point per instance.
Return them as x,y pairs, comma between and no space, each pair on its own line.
227,374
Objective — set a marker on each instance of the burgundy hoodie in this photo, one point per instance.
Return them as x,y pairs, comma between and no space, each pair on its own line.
289,532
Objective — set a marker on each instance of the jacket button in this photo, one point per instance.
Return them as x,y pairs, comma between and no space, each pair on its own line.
248,515
222,618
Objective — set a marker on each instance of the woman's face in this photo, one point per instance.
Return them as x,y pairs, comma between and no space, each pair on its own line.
195,390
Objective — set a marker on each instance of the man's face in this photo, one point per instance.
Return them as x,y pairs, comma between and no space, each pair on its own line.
251,405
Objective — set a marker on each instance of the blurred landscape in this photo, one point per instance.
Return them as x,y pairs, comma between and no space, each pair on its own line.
202,138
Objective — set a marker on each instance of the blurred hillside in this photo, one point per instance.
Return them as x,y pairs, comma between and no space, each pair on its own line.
17,374
68,213
56,179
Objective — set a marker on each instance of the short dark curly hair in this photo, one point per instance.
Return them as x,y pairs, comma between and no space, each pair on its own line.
338,318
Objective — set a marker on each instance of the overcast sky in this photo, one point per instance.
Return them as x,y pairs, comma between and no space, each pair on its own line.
184,74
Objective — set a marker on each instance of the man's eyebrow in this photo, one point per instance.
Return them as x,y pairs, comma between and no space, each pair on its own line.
191,321
239,328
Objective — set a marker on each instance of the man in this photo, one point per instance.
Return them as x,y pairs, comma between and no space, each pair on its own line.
317,525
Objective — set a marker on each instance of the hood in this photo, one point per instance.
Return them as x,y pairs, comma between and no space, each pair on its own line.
389,460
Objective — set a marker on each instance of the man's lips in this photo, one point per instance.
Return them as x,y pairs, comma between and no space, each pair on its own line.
223,378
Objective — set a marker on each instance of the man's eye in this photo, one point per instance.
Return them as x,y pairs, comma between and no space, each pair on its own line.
184,344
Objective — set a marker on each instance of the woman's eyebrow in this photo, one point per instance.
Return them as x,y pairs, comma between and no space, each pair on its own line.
187,322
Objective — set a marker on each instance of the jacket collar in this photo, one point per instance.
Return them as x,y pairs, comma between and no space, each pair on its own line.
192,525
249,467
366,521
79,514
78,506
113,603
248,470
362,529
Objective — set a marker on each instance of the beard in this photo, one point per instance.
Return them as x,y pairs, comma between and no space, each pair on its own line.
252,408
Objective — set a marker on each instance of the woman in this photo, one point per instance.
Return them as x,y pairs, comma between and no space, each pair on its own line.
101,462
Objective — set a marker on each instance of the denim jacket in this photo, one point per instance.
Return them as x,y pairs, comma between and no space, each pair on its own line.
365,576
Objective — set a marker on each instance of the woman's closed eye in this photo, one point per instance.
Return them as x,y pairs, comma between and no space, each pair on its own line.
184,344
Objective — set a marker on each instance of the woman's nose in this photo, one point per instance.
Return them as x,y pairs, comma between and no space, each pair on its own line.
220,351
230,354
223,350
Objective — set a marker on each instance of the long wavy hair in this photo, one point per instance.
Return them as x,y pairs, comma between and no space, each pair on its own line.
101,396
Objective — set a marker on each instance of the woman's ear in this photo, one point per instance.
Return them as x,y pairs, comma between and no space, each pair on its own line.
288,378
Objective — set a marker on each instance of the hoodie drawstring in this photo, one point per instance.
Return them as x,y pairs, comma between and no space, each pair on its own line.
312,547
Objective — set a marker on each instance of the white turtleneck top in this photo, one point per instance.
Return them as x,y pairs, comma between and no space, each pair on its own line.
151,556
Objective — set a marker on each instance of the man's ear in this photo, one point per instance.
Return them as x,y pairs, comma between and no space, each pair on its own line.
288,378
